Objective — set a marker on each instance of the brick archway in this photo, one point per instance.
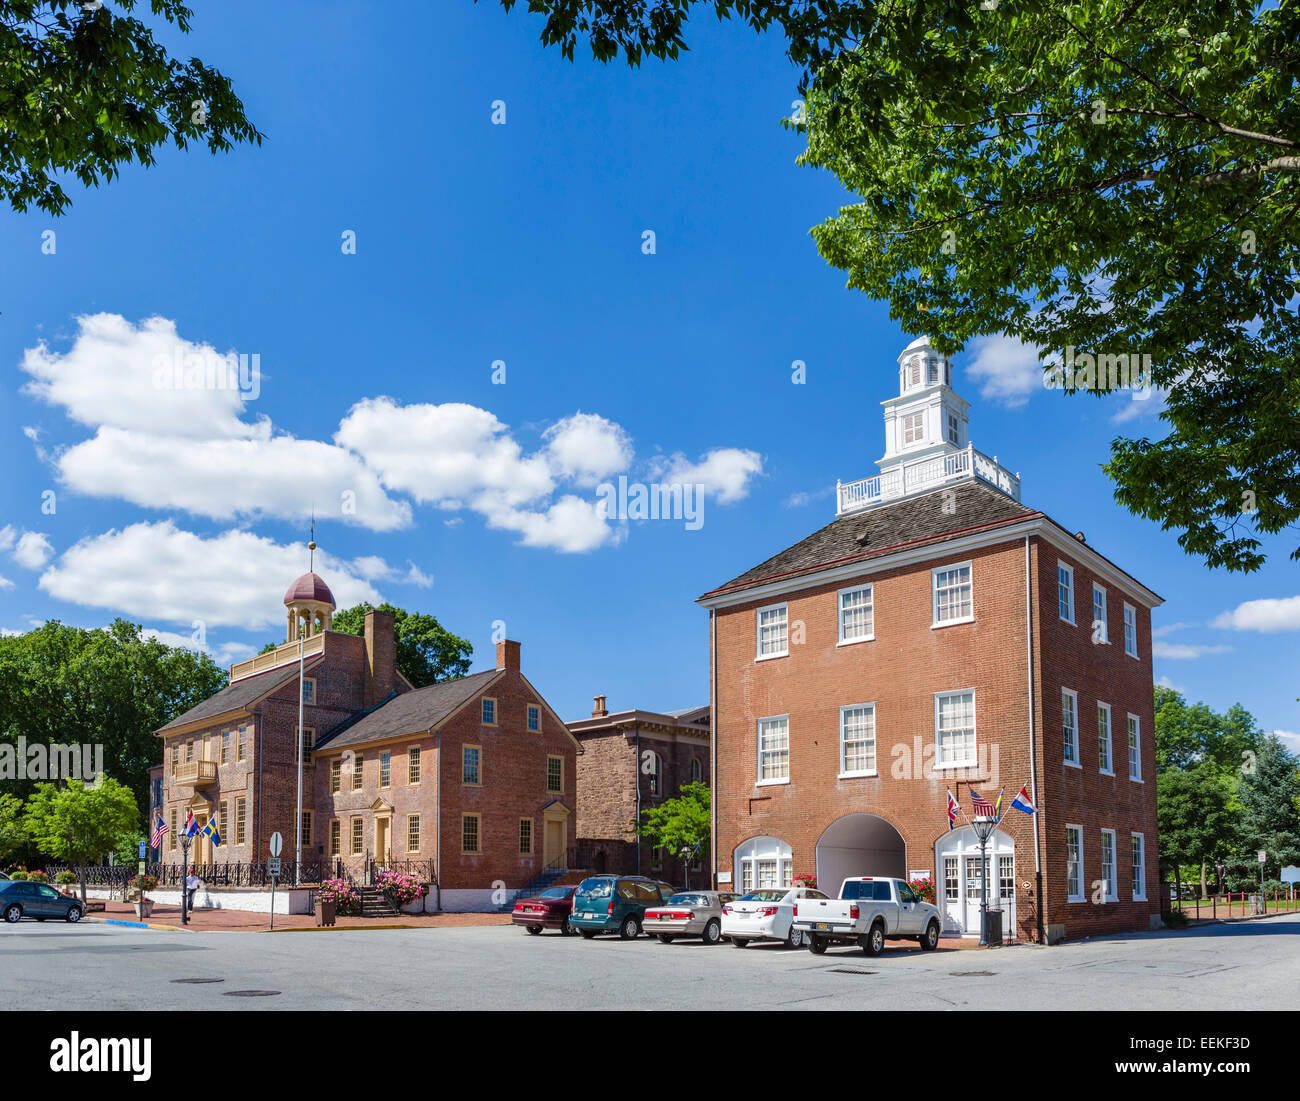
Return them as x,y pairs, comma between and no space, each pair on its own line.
859,844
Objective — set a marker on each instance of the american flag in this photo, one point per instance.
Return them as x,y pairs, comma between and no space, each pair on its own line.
158,831
981,806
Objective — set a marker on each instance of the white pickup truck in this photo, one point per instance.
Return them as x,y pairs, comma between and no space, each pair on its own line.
869,911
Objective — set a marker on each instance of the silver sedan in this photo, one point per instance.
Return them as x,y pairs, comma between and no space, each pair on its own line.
688,914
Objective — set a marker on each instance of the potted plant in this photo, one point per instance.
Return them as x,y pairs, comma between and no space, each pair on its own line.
923,889
336,896
137,888
38,876
806,880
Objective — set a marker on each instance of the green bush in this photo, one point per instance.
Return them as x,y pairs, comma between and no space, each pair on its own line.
1174,919
19,873
66,878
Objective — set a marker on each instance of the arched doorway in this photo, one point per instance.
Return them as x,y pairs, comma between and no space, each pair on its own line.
957,892
859,844
762,862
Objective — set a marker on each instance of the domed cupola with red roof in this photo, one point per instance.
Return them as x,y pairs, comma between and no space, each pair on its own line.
310,604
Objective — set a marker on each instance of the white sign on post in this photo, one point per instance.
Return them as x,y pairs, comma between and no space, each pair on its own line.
1262,855
277,843
273,867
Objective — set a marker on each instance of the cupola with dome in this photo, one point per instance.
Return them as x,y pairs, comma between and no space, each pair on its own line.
310,605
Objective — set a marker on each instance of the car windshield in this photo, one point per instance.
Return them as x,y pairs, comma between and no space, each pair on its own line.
596,888
683,899
762,896
556,892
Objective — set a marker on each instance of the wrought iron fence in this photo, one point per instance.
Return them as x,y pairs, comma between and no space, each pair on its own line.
117,876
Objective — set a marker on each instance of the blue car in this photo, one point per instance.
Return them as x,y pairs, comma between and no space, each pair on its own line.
616,904
22,898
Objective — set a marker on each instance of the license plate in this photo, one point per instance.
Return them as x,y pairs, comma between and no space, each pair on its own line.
823,925
586,914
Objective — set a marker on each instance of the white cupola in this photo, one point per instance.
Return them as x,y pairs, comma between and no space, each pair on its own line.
928,418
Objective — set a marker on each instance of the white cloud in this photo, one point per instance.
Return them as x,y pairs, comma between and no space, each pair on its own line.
587,448
1131,406
800,498
1170,628
373,568
1268,616
1290,739
1177,651
158,572
725,472
33,550
7,537
5,583
572,525
1165,682
226,653
1008,370
417,577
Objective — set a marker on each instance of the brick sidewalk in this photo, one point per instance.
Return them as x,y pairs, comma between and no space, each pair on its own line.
204,920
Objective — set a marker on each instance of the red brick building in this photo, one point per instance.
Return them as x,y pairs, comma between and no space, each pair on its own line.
471,782
940,636
631,761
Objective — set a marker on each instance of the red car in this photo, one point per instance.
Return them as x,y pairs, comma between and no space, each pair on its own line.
549,910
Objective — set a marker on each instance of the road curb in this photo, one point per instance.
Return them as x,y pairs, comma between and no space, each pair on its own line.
134,924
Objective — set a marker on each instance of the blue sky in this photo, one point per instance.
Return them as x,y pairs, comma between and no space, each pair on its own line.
520,243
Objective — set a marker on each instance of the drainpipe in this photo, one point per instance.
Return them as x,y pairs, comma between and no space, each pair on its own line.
437,844
1033,756
636,772
258,847
713,740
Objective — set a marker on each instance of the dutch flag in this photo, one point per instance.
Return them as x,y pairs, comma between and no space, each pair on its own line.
1021,802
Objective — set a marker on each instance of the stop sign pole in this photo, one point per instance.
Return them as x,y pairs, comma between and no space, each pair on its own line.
273,868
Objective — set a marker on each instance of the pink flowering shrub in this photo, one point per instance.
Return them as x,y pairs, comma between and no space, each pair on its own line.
400,887
346,898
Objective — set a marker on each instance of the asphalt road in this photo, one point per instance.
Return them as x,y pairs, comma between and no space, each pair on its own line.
1251,965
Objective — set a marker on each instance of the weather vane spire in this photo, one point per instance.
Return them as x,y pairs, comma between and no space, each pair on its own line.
311,545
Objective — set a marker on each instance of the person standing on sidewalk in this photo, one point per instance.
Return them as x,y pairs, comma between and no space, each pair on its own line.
192,884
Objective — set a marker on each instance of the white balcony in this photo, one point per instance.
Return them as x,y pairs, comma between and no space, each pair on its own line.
923,475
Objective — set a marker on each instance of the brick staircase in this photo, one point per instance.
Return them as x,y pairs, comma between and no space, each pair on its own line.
374,904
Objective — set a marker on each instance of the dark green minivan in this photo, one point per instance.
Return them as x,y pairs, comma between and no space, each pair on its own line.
615,904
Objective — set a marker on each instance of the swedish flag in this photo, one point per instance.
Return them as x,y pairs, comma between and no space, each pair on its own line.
210,831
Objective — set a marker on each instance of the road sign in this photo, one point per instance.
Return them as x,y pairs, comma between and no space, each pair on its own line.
1291,874
277,843
142,848
1261,856
273,867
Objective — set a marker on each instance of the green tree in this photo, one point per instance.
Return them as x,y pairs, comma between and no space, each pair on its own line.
1195,823
1188,733
84,91
426,651
1269,819
1115,178
13,834
80,824
680,824
108,686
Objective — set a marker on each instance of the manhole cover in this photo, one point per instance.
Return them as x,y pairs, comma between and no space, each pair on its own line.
249,993
973,974
849,971
198,980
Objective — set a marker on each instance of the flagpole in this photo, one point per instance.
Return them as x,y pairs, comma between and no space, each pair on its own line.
297,863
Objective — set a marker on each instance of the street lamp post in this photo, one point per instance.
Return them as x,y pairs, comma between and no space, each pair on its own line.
983,829
185,871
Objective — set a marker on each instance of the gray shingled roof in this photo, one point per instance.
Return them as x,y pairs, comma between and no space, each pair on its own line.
237,696
408,712
866,534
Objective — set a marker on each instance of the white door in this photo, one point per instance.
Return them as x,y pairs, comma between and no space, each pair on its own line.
954,918
973,886
957,856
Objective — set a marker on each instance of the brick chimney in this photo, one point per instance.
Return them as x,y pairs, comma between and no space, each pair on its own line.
599,711
508,655
381,656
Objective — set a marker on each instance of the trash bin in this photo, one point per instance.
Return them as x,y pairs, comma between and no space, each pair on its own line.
993,928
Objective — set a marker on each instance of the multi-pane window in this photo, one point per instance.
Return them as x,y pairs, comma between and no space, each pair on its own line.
857,614
951,879
954,729
308,690
1070,725
413,765
225,747
858,738
1130,630
189,751
358,836
525,837
787,867
1006,879
470,759
747,876
336,837
1108,864
358,772
489,711
1134,750
652,767
306,828
171,833
308,738
554,773
241,820
412,833
1100,632
773,633
1103,738
336,775
697,770
913,428
534,717
223,821
1065,592
1139,867
385,769
241,743
176,756
768,871
952,594
774,749
1074,862
469,833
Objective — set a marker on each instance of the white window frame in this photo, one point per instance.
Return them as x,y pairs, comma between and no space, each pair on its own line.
845,772
1105,614
1076,762
934,595
1069,570
758,779
939,763
1111,881
1130,622
1078,832
870,606
1109,768
1140,867
758,631
1133,743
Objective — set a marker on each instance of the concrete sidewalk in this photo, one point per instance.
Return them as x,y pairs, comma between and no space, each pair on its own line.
207,920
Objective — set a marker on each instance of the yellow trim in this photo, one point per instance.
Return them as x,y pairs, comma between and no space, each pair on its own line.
356,838
496,711
335,842
478,829
549,758
419,765
531,838
385,784
471,783
418,838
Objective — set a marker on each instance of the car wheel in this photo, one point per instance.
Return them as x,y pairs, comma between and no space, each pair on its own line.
630,929
930,940
587,934
13,913
794,938
533,930
817,945
666,938
713,932
873,942
740,942
567,929
73,915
